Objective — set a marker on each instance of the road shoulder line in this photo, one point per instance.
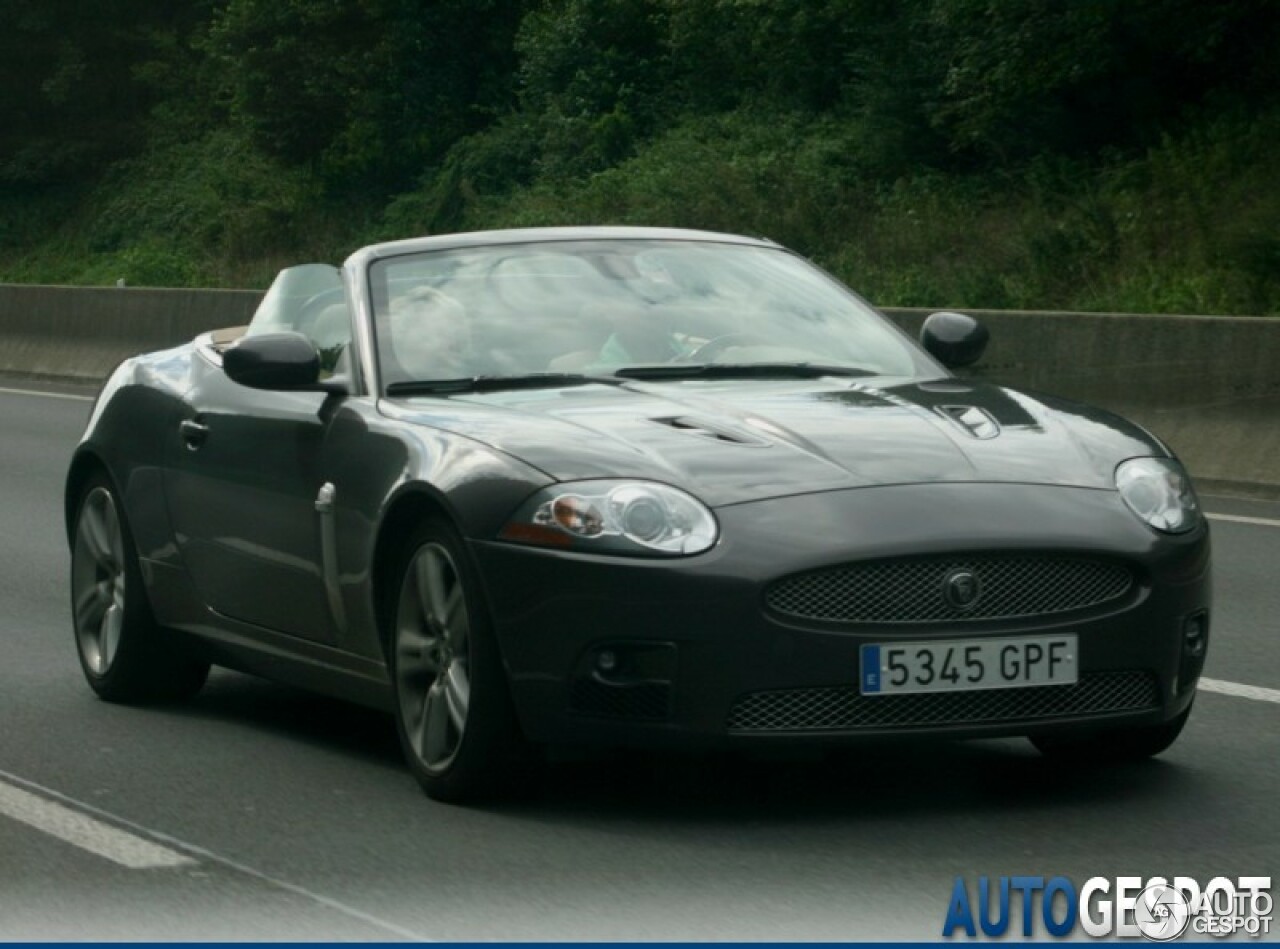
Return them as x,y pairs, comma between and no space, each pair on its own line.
1242,519
189,853
85,832
46,395
1239,690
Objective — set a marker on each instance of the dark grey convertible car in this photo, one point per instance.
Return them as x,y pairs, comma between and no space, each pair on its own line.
629,487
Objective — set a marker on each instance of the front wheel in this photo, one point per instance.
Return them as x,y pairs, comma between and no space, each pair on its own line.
454,714
125,656
1113,745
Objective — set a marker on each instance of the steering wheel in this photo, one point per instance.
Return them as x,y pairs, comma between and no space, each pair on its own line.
718,344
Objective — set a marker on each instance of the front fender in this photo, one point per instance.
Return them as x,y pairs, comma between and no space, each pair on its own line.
134,415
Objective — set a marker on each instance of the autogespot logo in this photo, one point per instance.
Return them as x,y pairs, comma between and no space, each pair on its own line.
1127,907
1162,912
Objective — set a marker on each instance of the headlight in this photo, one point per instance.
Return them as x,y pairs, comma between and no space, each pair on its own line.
615,517
1159,491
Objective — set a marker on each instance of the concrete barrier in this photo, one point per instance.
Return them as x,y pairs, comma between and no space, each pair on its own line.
1209,386
82,333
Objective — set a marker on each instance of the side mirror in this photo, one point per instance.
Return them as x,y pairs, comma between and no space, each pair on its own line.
954,339
281,361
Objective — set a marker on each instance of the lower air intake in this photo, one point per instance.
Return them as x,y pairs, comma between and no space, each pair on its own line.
640,701
843,708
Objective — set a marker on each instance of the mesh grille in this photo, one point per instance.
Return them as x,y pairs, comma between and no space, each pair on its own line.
911,591
843,708
634,700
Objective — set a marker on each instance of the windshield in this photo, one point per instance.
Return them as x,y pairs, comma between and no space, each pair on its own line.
598,307
309,299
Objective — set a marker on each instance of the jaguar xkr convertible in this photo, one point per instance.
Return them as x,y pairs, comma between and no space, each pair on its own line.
633,488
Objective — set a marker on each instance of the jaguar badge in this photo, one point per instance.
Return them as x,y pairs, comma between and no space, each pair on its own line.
961,589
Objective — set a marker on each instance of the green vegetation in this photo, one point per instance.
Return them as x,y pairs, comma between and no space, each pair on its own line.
1096,154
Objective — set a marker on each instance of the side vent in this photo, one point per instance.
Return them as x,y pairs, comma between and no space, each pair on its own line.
684,423
975,421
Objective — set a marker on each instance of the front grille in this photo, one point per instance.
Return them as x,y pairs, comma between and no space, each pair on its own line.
842,708
913,590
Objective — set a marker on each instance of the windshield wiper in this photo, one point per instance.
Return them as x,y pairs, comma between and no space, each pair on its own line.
746,370
532,380
539,380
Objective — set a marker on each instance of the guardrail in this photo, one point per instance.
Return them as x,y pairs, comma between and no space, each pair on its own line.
1207,385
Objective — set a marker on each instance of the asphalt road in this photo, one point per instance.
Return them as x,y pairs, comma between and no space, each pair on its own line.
261,812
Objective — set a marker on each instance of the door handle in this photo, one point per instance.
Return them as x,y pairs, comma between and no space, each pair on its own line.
193,433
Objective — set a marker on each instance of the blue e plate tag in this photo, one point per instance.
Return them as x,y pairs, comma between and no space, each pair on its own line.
870,669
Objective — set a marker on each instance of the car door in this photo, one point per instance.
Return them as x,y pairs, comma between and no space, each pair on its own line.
245,477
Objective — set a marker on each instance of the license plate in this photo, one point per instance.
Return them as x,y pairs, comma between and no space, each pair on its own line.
963,665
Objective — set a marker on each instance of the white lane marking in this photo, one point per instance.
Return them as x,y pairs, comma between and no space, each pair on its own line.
1241,691
47,395
87,833
210,857
1241,519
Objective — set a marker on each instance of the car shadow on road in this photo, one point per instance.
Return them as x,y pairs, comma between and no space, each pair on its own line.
885,778
248,702
880,779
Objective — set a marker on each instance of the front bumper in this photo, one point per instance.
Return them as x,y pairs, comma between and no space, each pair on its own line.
699,659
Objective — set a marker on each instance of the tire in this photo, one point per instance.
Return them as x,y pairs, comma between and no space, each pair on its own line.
1115,745
453,708
125,656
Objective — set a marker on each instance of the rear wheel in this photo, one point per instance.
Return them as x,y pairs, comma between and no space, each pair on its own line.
1113,745
454,714
125,656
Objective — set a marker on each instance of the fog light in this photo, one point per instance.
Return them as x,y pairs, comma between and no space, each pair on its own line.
606,660
1195,635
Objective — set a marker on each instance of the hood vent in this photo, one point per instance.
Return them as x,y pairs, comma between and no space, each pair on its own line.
975,421
684,423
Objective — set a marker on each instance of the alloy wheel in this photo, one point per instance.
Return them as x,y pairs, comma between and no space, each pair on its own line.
432,661
98,580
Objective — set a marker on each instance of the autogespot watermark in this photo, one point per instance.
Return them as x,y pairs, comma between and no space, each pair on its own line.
1158,909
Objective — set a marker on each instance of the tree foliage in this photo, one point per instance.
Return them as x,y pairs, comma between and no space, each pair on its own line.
73,99
386,116
1028,78
376,92
366,90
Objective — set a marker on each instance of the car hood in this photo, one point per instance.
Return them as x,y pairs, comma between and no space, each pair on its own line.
732,441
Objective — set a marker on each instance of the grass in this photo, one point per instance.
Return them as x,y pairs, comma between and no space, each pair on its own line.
1190,226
